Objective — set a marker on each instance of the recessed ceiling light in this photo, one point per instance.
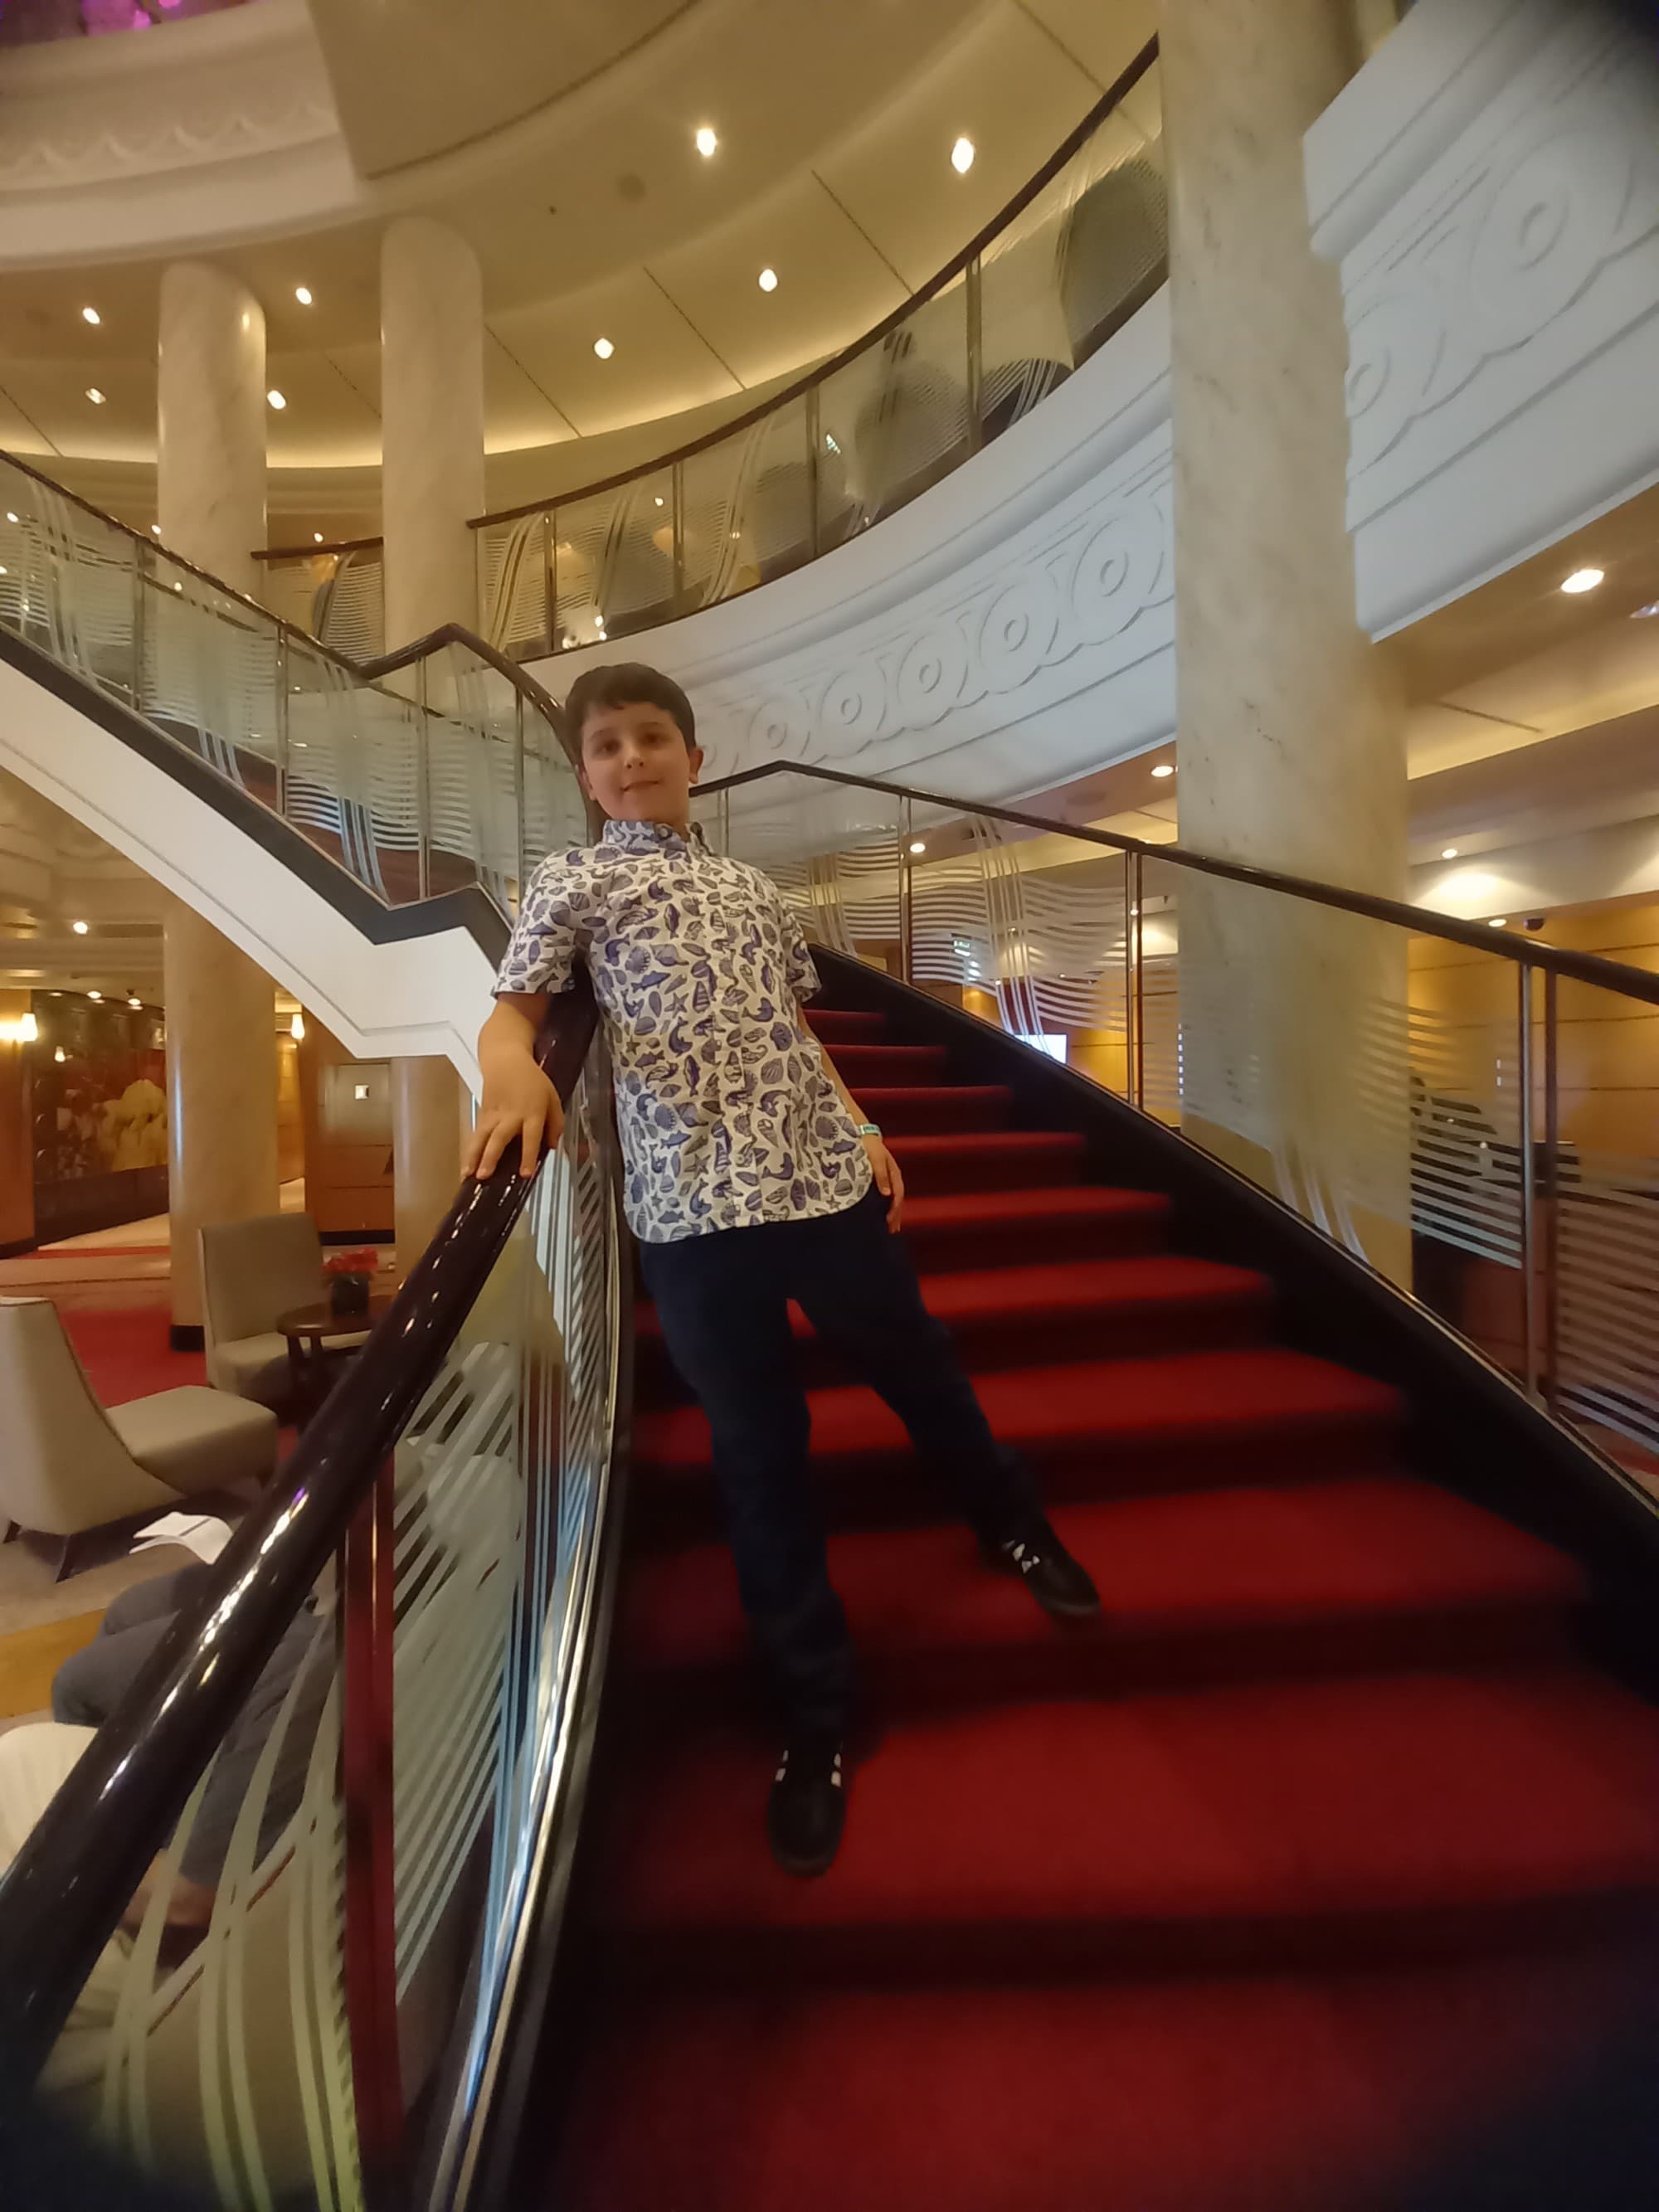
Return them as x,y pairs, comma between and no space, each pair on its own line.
91,315
961,156
1582,579
1499,922
316,537
918,844
1450,853
1642,614
276,399
296,1029
5,572
603,347
94,994
60,1054
705,140
80,928
768,280
302,294
135,1000
659,499
1164,768
11,517
94,395
155,530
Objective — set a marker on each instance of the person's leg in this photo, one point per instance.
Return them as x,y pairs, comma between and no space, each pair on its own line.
91,1682
859,1289
725,1318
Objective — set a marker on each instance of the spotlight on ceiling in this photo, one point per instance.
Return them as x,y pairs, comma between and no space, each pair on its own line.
94,994
316,537
155,530
918,844
302,294
133,1000
768,280
603,347
705,140
961,156
1164,768
80,928
1450,853
1642,614
1582,579
1499,922
296,1029
94,395
60,1056
275,398
91,315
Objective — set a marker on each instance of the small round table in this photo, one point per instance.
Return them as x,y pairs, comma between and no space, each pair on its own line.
315,1347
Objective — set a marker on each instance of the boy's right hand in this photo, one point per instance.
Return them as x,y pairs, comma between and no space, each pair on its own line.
520,1106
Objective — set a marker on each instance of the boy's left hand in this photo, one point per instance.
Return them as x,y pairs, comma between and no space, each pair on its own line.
889,1181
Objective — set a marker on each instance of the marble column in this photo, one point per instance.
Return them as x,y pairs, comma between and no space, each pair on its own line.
432,482
427,1123
432,468
1291,741
210,394
222,1096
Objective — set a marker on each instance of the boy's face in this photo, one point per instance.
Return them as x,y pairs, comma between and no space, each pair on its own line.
637,765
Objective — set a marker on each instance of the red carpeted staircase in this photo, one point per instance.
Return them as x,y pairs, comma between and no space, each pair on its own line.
1322,1848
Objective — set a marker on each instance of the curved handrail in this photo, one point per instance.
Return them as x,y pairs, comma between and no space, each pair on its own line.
814,378
1548,959
85,1857
367,671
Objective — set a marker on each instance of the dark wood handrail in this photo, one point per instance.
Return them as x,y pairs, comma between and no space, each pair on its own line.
1581,967
86,1856
986,236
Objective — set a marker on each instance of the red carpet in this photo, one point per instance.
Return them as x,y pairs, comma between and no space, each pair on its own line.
126,1352
1321,1849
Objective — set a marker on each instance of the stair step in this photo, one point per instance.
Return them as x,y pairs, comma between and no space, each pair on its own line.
1332,1576
836,1026
1314,2092
935,1109
886,1064
1098,1428
1064,1310
1289,1822
987,1228
1027,1158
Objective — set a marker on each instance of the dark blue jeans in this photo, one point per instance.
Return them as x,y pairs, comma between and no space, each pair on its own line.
723,1299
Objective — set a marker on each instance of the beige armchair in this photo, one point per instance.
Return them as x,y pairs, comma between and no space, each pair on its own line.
251,1272
70,1466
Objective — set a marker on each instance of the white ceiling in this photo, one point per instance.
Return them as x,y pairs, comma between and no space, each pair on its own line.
835,127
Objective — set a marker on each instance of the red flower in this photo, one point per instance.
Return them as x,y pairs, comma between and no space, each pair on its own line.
363,1261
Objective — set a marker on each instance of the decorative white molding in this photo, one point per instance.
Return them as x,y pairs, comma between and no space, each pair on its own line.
1018,617
221,127
1503,304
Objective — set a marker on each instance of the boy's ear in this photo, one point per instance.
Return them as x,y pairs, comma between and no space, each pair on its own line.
696,762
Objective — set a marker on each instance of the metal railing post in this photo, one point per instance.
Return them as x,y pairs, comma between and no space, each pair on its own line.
523,825
814,446
140,624
972,287
1551,1255
423,786
677,504
550,592
1529,1221
281,733
907,920
1135,1074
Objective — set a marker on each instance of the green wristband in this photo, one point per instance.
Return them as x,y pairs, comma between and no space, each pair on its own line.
869,1128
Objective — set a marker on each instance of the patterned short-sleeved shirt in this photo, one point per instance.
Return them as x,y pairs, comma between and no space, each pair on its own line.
727,1115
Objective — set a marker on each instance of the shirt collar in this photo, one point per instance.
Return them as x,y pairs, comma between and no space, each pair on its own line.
651,837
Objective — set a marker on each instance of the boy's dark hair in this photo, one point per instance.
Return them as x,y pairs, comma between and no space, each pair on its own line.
627,684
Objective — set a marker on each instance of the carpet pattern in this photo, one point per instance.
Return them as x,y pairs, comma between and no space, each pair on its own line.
1322,1850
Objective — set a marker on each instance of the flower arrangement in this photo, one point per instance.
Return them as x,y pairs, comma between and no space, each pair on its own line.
349,1275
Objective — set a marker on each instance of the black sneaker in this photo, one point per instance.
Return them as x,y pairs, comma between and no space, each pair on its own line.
1048,1570
808,1807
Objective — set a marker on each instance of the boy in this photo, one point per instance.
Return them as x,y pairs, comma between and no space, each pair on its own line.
751,1178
